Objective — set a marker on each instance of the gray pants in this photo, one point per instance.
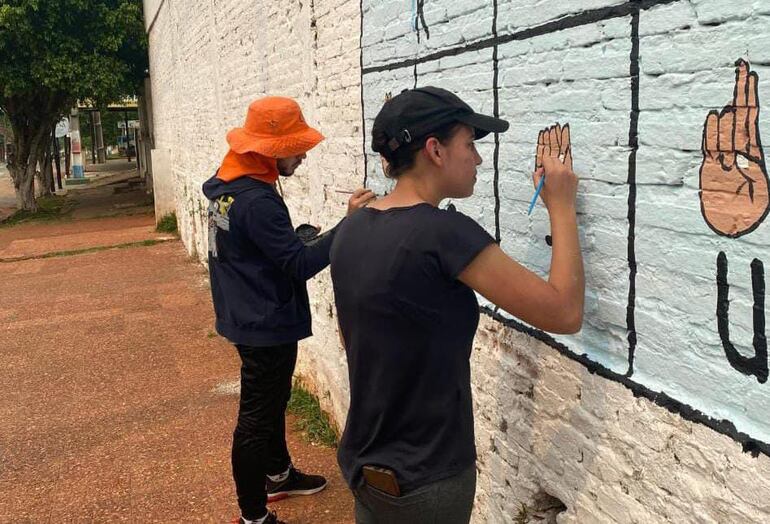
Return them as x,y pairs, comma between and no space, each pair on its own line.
447,501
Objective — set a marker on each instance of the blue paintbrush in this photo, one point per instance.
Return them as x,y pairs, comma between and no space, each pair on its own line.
537,194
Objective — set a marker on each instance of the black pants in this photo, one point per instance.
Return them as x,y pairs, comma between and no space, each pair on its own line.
259,441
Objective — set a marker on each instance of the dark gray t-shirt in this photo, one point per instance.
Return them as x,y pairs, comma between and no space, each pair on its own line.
408,326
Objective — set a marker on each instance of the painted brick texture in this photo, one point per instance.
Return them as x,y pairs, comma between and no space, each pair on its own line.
564,416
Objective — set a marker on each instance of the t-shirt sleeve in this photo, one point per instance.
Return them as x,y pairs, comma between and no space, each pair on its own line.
458,240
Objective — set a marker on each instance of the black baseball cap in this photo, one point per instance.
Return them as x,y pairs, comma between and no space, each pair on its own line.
415,113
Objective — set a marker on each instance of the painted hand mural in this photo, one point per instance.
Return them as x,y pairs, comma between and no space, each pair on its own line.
563,149
733,176
554,141
734,201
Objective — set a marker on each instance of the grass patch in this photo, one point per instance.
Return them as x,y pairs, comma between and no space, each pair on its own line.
71,252
310,420
522,517
167,224
48,208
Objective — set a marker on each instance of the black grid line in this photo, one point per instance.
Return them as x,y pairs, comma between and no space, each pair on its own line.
363,113
496,113
633,142
583,18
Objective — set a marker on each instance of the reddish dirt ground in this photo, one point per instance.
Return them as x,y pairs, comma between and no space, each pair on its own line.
114,400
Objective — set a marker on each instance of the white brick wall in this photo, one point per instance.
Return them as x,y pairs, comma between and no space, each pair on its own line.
548,419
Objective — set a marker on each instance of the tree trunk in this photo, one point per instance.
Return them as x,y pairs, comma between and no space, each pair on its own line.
48,187
32,118
25,191
44,161
24,183
30,143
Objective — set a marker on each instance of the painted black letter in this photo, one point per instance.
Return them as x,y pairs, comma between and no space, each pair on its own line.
756,365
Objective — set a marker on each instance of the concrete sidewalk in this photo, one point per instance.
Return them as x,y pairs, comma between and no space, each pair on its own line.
117,400
115,174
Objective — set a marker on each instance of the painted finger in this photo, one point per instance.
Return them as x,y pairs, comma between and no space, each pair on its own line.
726,130
752,90
741,136
546,143
568,158
711,134
741,133
553,137
741,83
539,153
753,147
564,143
727,137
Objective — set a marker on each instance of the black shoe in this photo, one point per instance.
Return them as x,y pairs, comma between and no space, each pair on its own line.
297,483
272,518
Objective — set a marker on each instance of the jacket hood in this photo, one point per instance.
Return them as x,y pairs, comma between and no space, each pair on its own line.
214,188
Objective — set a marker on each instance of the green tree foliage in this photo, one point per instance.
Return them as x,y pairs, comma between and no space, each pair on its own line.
56,53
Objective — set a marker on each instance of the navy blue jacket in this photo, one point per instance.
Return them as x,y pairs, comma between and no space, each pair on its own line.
258,265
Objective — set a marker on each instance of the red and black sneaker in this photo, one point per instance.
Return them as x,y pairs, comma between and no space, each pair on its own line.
272,518
297,483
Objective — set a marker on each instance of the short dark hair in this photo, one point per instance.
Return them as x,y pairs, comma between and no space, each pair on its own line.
403,158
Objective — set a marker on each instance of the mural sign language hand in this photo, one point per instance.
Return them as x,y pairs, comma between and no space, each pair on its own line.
554,142
553,160
733,177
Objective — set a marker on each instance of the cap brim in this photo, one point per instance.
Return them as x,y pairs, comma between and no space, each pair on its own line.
484,124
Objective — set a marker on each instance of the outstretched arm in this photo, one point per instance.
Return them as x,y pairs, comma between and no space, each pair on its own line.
556,304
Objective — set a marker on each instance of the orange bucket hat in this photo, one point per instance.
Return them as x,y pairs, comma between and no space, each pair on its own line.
274,128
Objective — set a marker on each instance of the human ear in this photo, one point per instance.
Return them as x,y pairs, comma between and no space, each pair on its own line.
432,149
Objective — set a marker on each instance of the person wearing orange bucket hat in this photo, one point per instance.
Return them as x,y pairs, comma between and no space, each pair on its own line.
259,268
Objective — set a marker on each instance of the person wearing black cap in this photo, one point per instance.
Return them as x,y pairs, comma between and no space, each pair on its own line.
404,274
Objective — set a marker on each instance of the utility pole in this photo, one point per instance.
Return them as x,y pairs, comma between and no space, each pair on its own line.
100,155
136,147
60,130
47,169
93,136
57,160
77,156
67,156
128,142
